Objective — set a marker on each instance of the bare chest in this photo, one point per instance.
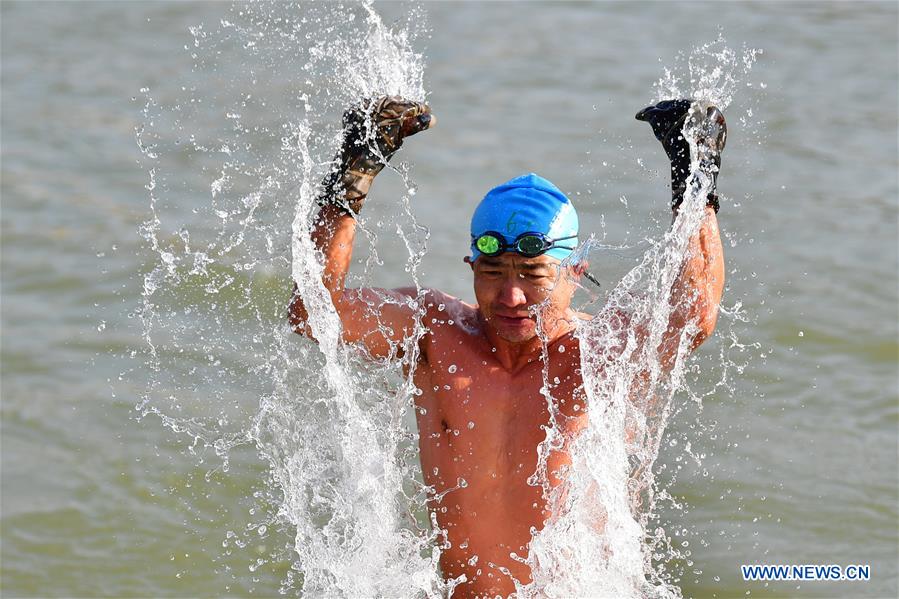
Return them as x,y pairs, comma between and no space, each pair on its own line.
481,424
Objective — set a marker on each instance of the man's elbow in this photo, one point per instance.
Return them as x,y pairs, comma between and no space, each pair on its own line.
705,327
297,316
300,326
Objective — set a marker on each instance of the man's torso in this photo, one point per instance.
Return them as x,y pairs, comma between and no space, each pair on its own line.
480,427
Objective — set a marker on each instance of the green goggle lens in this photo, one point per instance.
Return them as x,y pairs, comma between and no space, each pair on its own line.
488,244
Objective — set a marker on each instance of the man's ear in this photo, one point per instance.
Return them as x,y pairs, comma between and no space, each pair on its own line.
578,269
467,260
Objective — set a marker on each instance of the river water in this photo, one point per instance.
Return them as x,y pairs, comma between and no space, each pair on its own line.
792,456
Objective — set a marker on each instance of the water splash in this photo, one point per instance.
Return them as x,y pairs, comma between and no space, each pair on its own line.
600,543
336,430
710,72
226,371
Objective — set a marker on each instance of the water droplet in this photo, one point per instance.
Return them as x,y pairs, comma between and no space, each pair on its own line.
452,369
470,425
801,334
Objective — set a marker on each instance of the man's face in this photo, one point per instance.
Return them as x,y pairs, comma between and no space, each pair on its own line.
509,286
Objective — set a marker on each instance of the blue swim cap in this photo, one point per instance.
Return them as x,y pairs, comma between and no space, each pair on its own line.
526,204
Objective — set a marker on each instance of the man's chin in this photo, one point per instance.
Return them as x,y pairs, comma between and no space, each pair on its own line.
517,338
516,333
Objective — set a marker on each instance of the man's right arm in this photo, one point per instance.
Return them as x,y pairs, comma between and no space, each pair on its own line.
379,319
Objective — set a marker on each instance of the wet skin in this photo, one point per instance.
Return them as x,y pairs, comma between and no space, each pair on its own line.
481,414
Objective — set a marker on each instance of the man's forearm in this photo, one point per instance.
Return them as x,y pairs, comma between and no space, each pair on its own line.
333,234
698,290
373,131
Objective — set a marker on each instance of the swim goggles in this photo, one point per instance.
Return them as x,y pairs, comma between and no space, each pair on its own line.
528,244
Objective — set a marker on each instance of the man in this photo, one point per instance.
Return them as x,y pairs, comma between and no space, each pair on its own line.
480,368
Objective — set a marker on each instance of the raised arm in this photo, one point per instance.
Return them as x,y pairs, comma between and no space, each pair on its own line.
379,319
698,288
697,291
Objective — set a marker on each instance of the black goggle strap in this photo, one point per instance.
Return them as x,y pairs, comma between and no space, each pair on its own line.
592,279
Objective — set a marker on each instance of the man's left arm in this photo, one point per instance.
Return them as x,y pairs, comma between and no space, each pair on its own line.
697,291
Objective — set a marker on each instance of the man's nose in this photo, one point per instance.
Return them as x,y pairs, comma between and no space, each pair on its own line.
512,295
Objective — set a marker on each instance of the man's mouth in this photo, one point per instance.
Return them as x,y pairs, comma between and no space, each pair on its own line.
512,320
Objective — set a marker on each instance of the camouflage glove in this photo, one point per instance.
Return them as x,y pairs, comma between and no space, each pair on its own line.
706,122
372,133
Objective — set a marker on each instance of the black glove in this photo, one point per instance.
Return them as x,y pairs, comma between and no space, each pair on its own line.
372,133
706,122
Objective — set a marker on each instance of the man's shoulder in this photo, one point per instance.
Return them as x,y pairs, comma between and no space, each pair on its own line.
430,299
439,302
449,319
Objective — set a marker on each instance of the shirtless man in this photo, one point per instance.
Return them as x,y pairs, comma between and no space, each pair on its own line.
480,367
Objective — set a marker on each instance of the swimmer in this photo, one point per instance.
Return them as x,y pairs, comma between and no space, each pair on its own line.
480,367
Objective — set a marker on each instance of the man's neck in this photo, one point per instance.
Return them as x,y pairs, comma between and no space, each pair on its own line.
514,356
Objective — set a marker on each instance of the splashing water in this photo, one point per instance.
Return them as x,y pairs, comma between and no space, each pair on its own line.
335,430
600,542
340,450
